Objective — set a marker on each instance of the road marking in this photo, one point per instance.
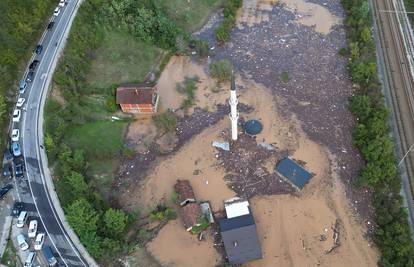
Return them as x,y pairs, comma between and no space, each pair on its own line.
43,76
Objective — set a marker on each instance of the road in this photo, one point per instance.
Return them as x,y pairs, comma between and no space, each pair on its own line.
37,190
398,88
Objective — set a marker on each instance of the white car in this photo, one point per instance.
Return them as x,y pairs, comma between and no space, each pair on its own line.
32,229
21,241
38,243
57,11
15,135
20,102
16,115
62,3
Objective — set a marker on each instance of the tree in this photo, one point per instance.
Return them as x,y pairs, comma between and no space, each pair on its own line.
115,222
77,185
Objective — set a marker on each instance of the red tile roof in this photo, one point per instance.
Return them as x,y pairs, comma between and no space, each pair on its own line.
135,94
190,214
185,191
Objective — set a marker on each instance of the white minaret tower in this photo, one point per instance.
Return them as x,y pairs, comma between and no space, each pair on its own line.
234,115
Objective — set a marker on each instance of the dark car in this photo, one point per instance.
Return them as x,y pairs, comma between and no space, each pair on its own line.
19,170
39,49
7,171
22,87
17,208
4,190
30,76
50,25
33,65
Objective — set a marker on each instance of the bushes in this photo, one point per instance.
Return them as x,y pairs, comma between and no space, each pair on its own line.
166,121
188,87
371,136
221,70
230,9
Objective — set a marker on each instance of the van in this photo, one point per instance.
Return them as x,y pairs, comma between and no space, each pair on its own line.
30,259
21,220
47,252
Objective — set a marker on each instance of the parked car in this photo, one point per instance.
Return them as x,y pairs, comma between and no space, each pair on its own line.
39,49
15,135
50,25
20,102
4,190
22,86
62,3
21,241
32,229
15,147
21,220
30,259
34,64
30,76
38,243
16,115
56,12
7,171
19,169
17,208
48,253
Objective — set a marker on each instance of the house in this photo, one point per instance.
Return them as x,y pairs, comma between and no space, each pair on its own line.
190,215
185,192
137,98
295,174
239,233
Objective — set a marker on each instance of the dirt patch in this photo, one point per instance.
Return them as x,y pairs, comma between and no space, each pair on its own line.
208,94
56,95
254,12
176,247
141,133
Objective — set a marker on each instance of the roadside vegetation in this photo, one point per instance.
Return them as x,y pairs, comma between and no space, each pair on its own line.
230,9
371,136
10,257
21,25
111,42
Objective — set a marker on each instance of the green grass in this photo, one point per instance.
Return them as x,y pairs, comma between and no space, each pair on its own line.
189,15
284,77
102,172
99,140
9,256
121,59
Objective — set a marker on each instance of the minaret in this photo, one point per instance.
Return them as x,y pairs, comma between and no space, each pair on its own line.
234,115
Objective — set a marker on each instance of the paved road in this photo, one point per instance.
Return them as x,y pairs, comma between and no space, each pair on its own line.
37,189
398,85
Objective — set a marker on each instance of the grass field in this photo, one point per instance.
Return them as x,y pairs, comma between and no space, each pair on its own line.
9,256
189,14
99,140
121,59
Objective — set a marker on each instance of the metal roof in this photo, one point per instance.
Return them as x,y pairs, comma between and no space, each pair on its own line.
297,175
240,239
237,208
253,127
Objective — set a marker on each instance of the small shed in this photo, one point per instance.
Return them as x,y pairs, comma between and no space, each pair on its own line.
190,215
137,98
185,192
236,207
293,172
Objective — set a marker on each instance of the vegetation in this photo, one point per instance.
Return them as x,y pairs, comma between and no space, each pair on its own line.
284,77
10,257
221,70
202,224
166,121
372,137
162,212
230,9
202,47
409,7
21,24
188,87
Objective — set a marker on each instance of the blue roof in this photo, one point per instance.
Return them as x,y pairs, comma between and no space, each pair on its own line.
253,127
294,172
236,222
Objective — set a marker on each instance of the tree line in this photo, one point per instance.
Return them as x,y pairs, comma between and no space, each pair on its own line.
371,136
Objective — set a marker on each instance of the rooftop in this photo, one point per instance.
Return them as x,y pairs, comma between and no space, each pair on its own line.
135,94
236,207
240,239
185,192
190,214
295,173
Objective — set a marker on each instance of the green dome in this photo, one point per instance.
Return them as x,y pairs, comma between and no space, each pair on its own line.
253,127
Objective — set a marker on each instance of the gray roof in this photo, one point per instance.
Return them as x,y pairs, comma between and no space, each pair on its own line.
240,239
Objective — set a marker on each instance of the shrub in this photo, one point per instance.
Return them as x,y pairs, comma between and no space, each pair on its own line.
221,70
284,76
166,121
222,32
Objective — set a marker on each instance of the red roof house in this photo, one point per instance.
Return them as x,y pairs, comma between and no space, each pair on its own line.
137,98
190,214
185,192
